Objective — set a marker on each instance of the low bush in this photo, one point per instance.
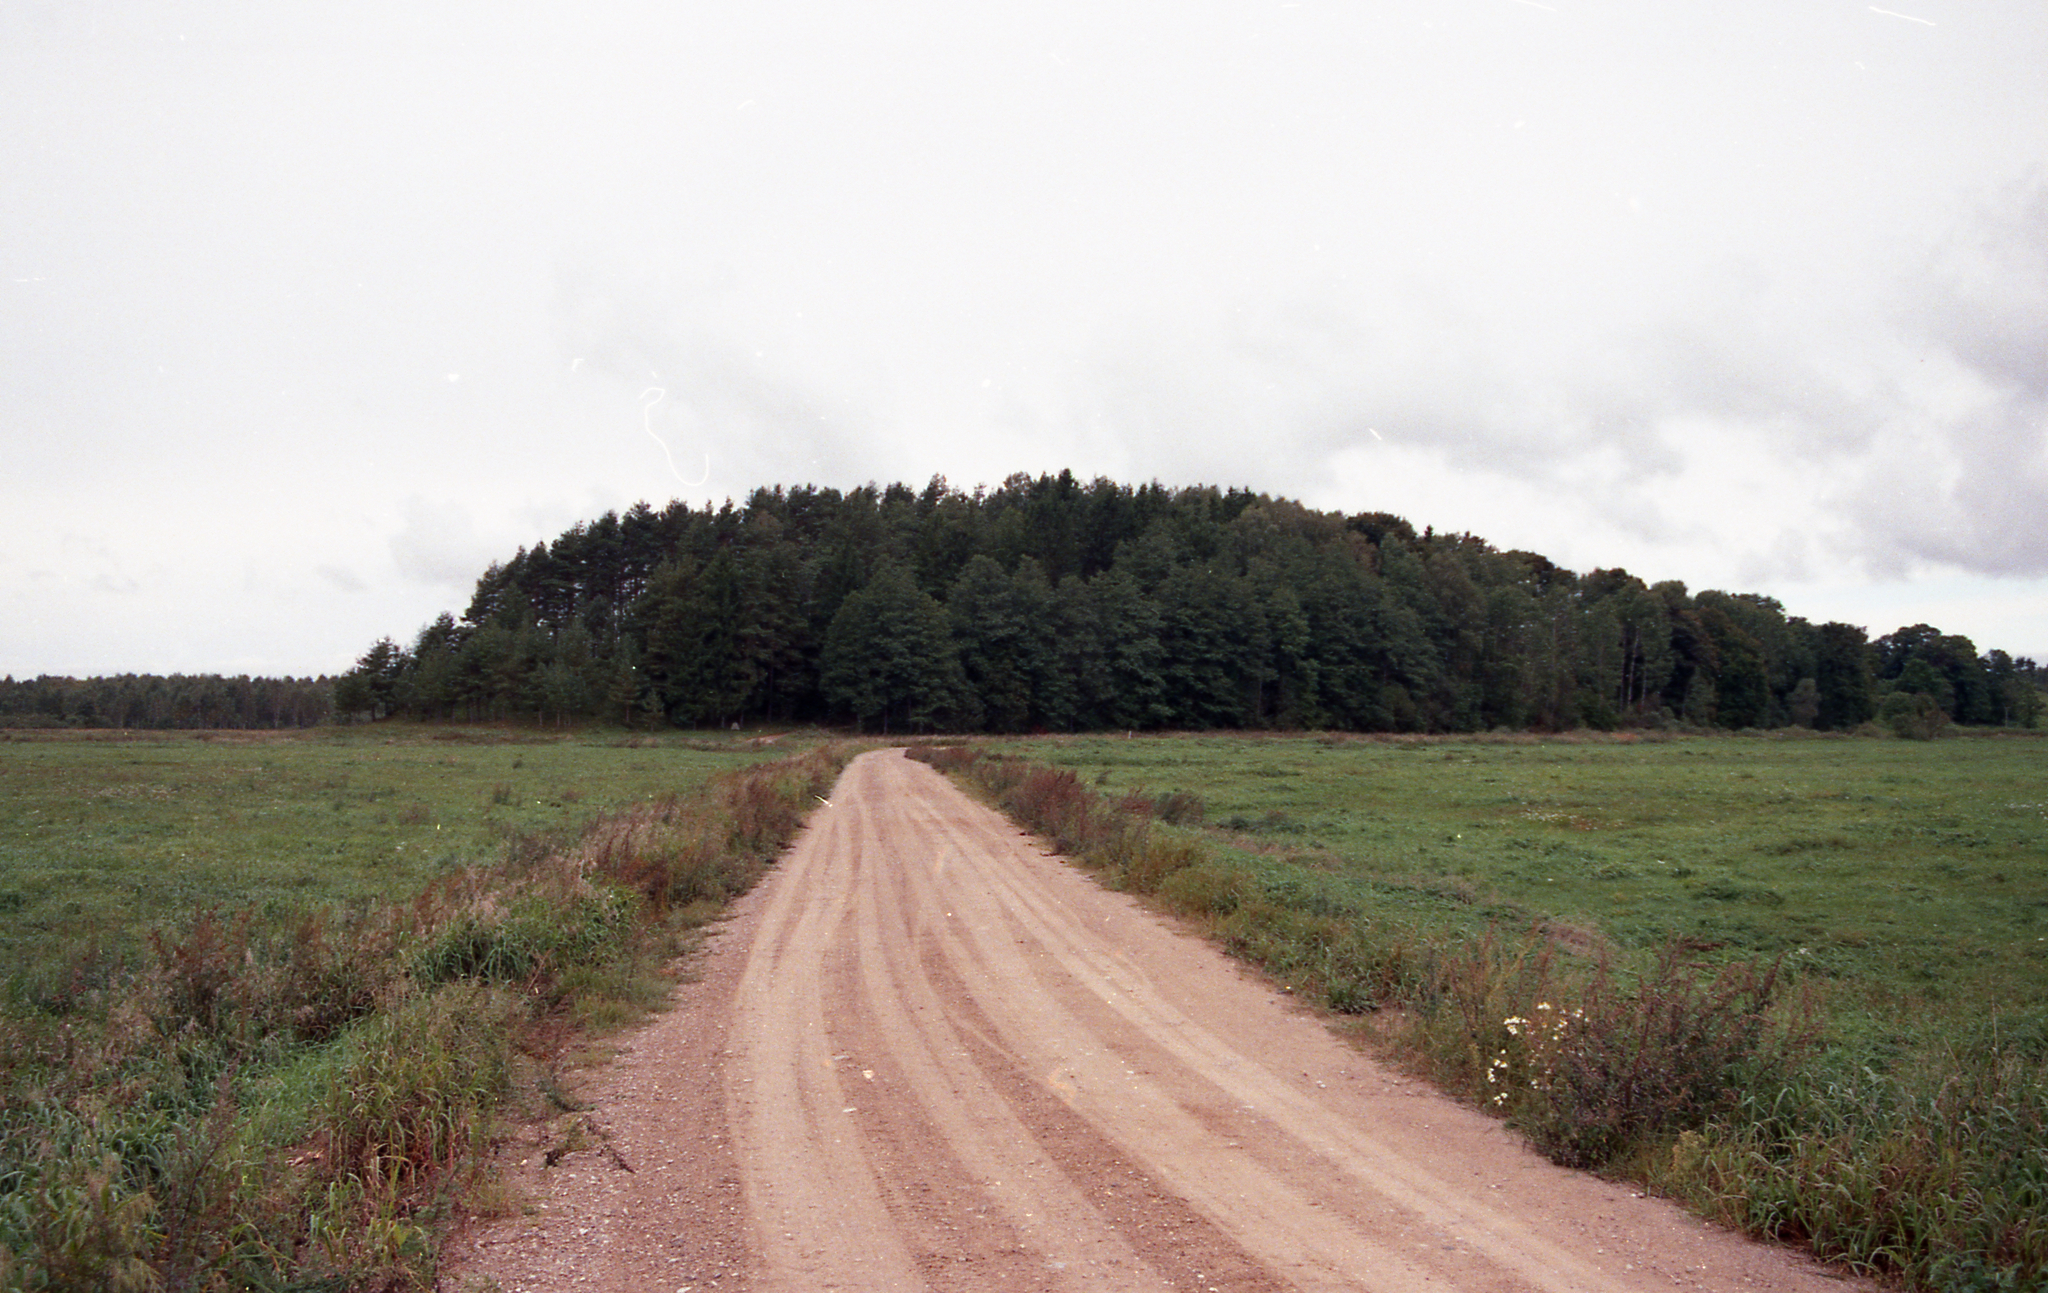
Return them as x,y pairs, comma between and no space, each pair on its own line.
1593,1068
1913,716
710,848
531,940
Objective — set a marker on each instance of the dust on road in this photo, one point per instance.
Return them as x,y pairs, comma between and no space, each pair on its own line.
924,1054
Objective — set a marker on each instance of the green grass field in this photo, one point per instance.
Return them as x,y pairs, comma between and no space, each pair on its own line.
1796,982
1911,868
103,837
1916,868
268,1000
1889,1111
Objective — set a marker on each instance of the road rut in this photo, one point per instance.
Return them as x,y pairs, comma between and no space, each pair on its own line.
926,1054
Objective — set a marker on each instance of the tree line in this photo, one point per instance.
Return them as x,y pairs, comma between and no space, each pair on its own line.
1047,604
177,701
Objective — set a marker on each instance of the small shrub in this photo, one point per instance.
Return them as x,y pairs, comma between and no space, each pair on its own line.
1056,804
763,814
331,973
1594,1074
1205,888
1913,716
530,942
1929,1171
201,972
1161,857
1179,808
86,1229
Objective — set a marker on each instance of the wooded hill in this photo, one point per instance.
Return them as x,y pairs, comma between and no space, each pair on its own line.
1048,604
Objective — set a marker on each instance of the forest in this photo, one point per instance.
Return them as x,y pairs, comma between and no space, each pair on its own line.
1046,604
160,702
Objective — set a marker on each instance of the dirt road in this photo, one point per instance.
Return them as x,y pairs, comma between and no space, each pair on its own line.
926,1055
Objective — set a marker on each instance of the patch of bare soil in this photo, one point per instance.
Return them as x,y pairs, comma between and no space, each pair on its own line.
925,1054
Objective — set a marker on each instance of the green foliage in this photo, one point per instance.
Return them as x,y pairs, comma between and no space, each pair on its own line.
151,702
1051,605
1843,676
1916,716
890,658
1002,626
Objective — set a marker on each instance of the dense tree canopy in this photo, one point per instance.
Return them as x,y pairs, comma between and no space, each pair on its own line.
184,701
1049,604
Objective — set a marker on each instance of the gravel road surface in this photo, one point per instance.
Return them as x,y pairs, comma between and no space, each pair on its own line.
925,1054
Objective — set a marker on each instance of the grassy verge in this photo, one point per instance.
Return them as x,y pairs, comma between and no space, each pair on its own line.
1796,984
298,1096
105,835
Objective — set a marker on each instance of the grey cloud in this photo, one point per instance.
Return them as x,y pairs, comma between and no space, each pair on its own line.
1761,375
345,580
1986,295
1819,383
1273,386
90,561
1973,490
743,410
438,544
1973,494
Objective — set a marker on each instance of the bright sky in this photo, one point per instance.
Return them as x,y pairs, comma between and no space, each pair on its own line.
307,313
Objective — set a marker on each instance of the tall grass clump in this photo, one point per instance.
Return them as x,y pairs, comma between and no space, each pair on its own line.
1751,1093
254,1101
1933,1167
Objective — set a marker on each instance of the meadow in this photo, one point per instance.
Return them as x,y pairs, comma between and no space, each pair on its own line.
1913,871
104,836
264,999
1796,981
267,1002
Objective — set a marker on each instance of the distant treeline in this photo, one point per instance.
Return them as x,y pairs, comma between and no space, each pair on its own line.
1048,604
177,701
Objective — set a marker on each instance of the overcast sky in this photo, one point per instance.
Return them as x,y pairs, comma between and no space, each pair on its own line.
308,312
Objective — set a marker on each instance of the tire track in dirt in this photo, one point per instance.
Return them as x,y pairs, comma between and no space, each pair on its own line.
948,1061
